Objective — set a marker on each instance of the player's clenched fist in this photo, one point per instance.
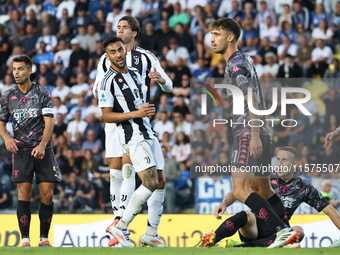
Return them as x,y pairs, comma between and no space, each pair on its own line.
146,110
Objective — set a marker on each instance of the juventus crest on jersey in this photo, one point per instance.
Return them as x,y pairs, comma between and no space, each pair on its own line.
126,93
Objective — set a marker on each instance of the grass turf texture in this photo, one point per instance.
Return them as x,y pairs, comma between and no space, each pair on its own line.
166,251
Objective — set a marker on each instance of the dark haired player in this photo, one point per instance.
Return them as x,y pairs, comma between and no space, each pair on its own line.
291,189
122,181
30,108
252,145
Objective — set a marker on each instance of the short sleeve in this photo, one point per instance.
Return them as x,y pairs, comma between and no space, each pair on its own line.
240,76
105,95
4,111
46,104
314,198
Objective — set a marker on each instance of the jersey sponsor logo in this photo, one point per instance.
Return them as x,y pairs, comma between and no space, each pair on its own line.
125,86
103,98
47,111
25,113
136,60
288,201
24,100
236,69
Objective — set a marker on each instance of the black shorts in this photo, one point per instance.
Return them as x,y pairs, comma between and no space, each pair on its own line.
262,229
24,166
242,159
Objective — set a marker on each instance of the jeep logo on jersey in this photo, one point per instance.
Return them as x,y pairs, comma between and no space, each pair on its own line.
238,100
136,59
20,114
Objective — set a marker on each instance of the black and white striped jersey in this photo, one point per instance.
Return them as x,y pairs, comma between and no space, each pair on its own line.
126,93
143,60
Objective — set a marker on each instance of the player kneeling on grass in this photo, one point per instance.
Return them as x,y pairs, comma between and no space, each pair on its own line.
291,189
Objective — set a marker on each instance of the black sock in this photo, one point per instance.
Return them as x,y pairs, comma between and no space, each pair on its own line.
277,205
45,216
24,218
231,225
260,243
262,209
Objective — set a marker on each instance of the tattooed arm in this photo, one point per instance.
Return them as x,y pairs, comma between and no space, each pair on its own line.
255,144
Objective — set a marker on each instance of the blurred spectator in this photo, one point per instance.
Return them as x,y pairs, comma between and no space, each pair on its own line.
147,39
70,165
80,107
180,125
77,146
289,69
285,16
301,32
93,124
286,48
170,175
16,5
5,196
249,31
80,20
321,56
325,155
179,16
179,70
88,165
68,5
43,83
270,31
251,49
51,8
261,21
181,106
91,38
46,21
183,37
134,5
15,28
68,188
99,21
6,84
286,29
78,53
197,21
114,17
61,90
326,188
64,34
329,126
102,173
235,12
300,15
44,57
81,37
163,36
304,58
49,39
84,197
332,104
60,148
318,15
322,32
63,53
271,69
32,20
219,70
59,127
333,73
181,150
107,32
266,47
77,125
65,20
297,134
60,71
164,106
79,90
4,49
93,144
184,89
176,52
29,42
149,9
225,8
58,107
203,73
163,125
95,6
336,22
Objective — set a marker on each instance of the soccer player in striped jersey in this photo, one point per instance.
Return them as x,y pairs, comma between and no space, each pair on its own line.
122,98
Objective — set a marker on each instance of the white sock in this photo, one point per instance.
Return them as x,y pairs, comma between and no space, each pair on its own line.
138,198
43,239
155,210
25,240
116,179
128,186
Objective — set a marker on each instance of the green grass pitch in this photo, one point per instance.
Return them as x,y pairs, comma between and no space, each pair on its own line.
167,251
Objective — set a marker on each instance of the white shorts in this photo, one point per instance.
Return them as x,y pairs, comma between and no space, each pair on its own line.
113,148
145,154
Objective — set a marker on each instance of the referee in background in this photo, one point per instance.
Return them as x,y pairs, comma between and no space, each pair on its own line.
30,108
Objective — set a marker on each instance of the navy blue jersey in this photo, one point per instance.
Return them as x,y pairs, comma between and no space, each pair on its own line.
240,72
27,111
296,191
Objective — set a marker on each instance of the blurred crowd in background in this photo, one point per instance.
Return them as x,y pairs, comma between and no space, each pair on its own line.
286,39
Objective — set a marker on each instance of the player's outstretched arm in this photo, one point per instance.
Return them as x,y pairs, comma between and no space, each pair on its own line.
146,110
39,151
333,215
10,143
228,200
332,137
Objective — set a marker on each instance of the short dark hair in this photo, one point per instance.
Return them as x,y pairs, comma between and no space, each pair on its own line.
227,24
133,23
24,58
291,150
111,39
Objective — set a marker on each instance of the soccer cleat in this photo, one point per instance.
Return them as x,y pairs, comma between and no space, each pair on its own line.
114,222
113,242
231,243
336,244
26,244
152,241
208,240
44,244
122,235
293,245
284,237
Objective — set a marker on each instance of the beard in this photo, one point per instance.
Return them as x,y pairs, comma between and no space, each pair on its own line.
222,49
22,81
117,65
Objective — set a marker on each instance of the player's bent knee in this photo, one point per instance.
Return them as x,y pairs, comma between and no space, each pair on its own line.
128,171
299,230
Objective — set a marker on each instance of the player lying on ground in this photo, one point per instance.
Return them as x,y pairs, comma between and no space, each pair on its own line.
291,189
122,180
